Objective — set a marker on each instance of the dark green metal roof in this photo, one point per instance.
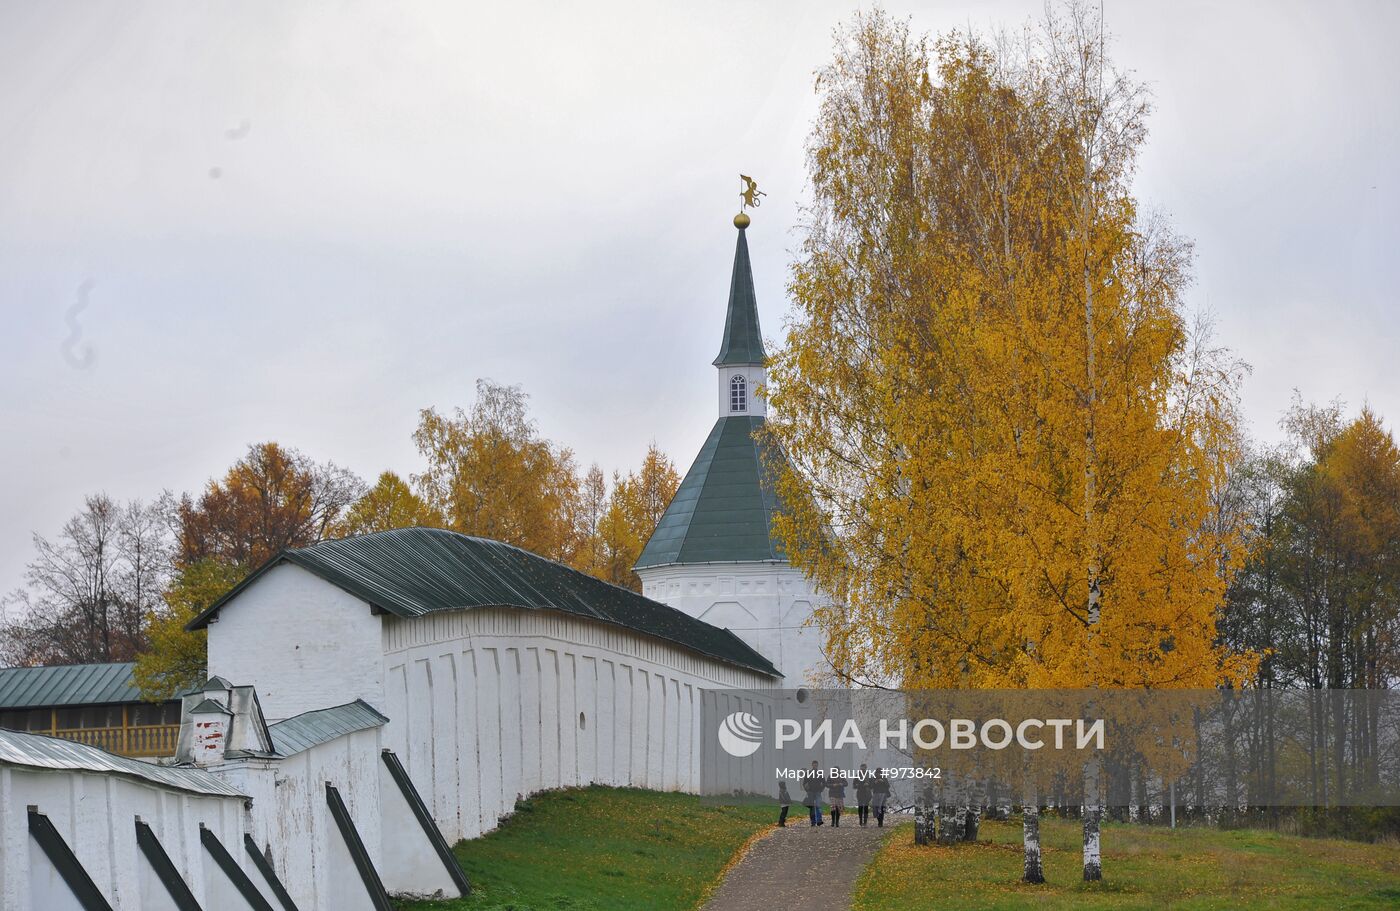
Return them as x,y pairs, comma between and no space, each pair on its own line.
723,510
415,571
72,684
742,343
304,731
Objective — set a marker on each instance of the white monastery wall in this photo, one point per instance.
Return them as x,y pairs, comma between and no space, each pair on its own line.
491,705
765,604
486,705
284,809
304,643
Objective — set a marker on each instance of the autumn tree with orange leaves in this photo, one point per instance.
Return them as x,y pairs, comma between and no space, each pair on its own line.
272,498
490,472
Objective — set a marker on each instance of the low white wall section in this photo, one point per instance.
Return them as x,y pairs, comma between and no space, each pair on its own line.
290,816
490,705
96,815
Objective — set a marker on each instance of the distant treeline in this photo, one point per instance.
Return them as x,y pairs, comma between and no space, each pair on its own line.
120,580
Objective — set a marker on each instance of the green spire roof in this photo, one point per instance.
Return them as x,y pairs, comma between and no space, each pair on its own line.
723,510
743,343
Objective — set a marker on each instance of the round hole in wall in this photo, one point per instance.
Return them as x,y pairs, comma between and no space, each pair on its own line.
582,722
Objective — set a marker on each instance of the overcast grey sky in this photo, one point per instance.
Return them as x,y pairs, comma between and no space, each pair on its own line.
304,222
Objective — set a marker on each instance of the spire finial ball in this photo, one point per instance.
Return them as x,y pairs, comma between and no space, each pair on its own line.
741,221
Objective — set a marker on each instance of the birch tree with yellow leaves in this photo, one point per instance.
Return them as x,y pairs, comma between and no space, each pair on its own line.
1004,431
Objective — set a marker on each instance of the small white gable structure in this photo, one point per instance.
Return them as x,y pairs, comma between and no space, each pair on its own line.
501,673
713,554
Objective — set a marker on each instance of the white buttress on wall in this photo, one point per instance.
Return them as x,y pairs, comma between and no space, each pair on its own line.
411,864
304,643
765,604
288,818
490,705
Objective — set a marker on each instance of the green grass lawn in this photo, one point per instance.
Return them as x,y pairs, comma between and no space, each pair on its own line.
1189,868
603,849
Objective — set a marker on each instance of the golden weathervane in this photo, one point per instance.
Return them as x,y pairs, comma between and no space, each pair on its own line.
750,193
750,196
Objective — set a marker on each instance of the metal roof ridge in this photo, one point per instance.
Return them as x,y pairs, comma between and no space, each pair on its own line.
96,683
514,575
737,638
49,752
602,618
294,554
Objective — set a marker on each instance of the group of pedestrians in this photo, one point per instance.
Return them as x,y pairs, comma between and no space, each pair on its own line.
872,793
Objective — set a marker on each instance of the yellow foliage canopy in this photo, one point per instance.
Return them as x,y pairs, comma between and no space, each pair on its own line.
1004,433
489,473
389,504
628,516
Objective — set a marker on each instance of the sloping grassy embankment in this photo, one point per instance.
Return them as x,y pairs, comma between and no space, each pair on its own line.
603,849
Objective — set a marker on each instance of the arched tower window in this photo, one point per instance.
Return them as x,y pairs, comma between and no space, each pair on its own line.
739,393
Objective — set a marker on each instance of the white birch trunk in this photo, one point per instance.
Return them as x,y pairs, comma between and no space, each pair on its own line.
977,796
949,829
1030,837
1093,817
925,817
1093,811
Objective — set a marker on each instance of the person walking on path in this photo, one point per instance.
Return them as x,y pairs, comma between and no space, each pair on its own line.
836,790
879,796
784,802
813,785
863,794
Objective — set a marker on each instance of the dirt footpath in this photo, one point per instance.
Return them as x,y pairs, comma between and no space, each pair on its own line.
799,867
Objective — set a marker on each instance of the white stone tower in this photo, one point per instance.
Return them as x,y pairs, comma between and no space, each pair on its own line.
713,555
